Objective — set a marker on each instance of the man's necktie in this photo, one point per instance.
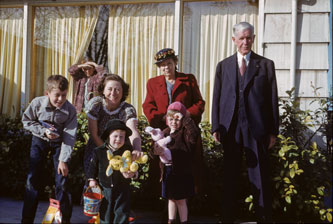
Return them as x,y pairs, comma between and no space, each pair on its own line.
242,67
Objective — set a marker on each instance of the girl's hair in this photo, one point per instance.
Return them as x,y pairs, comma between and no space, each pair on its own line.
56,82
170,113
117,78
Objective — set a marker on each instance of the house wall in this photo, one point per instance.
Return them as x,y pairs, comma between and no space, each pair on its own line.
312,41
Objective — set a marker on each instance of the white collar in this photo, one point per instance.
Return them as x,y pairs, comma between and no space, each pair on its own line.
114,111
246,58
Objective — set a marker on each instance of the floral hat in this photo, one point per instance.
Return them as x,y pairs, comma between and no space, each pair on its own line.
165,54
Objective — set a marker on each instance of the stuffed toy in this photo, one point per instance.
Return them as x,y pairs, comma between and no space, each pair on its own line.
158,137
124,162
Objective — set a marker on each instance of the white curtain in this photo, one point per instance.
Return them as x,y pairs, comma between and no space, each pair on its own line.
11,41
136,33
207,39
61,35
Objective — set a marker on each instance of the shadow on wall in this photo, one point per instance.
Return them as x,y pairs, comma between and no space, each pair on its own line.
307,2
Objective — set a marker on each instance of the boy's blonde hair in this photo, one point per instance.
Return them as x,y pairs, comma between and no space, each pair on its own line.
56,82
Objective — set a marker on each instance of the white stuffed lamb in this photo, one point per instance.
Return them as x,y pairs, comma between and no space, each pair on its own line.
158,137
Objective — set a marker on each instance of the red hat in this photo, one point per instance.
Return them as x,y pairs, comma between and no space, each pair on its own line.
178,106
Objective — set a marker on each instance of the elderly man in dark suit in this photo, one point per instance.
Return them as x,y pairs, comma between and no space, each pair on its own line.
245,119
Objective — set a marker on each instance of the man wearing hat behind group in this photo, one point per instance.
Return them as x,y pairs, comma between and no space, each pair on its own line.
115,206
165,89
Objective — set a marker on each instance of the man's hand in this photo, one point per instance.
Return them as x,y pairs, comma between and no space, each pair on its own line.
272,140
216,136
62,168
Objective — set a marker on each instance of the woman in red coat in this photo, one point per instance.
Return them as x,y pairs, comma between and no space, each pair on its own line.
167,88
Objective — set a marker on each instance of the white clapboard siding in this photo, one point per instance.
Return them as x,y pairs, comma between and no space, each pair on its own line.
309,55
305,79
316,27
284,6
277,6
314,6
278,28
312,61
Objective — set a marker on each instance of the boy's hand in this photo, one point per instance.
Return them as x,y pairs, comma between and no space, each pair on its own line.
50,135
93,183
62,168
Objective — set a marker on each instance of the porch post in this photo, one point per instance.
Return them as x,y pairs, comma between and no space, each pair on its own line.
26,55
179,31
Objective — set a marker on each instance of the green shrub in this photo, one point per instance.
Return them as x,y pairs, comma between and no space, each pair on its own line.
76,170
301,170
140,184
300,179
14,156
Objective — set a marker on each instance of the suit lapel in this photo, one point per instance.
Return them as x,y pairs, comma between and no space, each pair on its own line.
252,70
232,71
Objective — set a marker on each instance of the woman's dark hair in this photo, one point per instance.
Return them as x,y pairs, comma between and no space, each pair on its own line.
117,78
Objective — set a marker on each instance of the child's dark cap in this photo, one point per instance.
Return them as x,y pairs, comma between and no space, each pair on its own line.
115,124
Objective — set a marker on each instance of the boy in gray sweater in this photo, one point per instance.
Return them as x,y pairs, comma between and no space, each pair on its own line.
52,121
